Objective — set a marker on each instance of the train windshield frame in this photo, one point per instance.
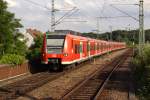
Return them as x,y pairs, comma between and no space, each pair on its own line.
55,40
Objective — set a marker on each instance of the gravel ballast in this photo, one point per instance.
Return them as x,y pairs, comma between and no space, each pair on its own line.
59,87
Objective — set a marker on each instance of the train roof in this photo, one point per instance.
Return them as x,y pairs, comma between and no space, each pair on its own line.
63,32
76,36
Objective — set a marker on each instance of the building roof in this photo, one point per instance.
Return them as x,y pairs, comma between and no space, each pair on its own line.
33,32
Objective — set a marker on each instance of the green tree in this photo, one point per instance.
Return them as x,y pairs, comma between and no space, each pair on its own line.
38,41
35,49
19,45
9,41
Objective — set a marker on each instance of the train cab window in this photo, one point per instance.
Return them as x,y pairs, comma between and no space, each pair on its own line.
55,43
55,40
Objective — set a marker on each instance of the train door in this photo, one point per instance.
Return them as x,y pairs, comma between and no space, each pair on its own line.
76,49
99,48
81,49
102,47
88,48
84,49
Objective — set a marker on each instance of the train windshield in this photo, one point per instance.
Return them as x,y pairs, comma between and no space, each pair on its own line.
55,40
55,44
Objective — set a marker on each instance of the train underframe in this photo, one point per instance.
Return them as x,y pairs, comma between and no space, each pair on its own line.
55,64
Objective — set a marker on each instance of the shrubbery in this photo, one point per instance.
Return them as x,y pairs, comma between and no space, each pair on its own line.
35,50
12,59
142,73
34,54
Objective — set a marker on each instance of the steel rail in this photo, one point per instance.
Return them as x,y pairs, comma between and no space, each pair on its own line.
84,81
108,78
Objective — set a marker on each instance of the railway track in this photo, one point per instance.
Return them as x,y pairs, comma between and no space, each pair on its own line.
21,87
16,89
93,86
120,86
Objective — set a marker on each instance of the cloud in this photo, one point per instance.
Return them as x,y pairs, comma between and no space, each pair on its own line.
38,17
11,3
69,2
33,17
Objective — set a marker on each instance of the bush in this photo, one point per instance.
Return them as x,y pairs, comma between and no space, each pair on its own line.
34,54
35,50
142,76
146,55
12,59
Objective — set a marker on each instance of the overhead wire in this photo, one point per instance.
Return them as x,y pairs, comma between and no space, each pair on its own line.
107,18
102,10
86,15
71,12
59,20
37,4
124,13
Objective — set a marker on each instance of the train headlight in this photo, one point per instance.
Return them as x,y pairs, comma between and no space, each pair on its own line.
65,54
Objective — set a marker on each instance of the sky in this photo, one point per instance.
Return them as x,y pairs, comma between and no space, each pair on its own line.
84,19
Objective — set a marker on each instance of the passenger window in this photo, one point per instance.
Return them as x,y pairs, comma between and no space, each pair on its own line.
76,49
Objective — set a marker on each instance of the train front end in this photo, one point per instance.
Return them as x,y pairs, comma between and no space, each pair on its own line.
52,50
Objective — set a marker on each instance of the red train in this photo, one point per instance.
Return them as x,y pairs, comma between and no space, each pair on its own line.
65,49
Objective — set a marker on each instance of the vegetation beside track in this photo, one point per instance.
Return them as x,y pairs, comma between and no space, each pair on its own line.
34,51
11,59
120,35
12,43
142,73
13,49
